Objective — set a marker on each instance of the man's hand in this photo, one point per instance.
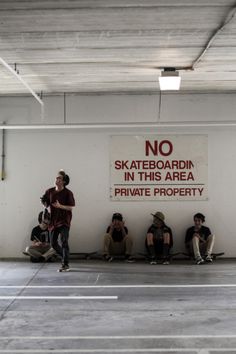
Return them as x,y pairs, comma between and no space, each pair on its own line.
122,224
38,243
196,234
112,226
56,204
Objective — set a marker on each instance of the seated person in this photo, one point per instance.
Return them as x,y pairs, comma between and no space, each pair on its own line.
199,240
117,241
40,250
159,239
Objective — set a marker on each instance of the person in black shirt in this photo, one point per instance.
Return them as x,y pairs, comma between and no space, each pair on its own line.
40,250
199,240
117,240
159,239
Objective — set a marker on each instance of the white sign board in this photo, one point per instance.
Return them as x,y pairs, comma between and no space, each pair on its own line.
159,167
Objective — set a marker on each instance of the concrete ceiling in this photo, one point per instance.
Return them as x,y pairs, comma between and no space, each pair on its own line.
97,46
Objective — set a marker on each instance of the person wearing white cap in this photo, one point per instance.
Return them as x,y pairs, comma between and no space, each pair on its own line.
159,239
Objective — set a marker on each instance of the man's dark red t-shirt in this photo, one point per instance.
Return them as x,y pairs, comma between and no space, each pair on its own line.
60,217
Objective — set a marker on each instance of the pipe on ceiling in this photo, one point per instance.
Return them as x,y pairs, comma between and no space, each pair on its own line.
15,73
119,125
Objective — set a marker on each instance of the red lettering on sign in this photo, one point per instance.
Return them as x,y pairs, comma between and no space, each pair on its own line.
164,148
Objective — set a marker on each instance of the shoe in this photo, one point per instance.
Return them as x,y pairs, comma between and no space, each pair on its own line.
199,261
107,258
129,259
165,262
26,253
153,261
64,268
208,259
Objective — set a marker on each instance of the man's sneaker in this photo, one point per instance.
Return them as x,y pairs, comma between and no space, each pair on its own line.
199,261
108,258
153,261
26,253
129,259
64,268
208,259
165,262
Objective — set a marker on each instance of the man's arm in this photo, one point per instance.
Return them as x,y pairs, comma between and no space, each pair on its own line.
123,229
58,205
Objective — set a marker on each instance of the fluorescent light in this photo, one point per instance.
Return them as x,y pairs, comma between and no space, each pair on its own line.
169,80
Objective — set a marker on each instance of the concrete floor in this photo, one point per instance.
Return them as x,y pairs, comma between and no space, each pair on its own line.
118,308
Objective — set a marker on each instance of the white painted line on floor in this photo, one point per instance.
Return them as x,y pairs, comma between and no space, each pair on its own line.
214,336
111,350
58,297
118,286
149,350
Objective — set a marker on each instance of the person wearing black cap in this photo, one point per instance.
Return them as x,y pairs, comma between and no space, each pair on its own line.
60,200
117,241
159,239
199,240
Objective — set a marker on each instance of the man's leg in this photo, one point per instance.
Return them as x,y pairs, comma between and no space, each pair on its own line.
166,247
196,250
54,241
35,252
107,244
128,243
64,232
151,247
128,240
107,247
49,253
209,247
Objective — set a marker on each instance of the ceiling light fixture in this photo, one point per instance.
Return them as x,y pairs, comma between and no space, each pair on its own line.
169,79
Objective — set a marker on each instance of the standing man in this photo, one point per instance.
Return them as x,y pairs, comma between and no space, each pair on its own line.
199,240
61,201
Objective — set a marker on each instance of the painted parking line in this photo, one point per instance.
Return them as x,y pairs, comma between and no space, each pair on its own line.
118,286
144,350
135,350
193,350
197,336
125,350
58,297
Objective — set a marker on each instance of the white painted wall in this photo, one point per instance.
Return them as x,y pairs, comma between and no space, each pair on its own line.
33,158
